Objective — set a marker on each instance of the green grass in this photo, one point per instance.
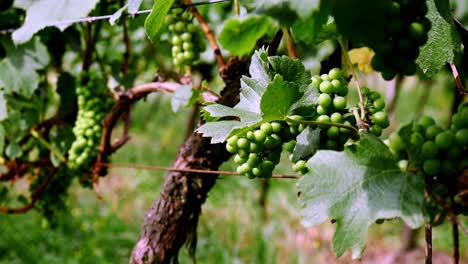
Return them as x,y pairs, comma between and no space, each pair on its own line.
231,227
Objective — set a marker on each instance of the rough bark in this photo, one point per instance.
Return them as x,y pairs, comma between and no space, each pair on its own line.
172,219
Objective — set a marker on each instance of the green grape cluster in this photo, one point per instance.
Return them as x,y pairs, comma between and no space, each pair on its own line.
331,107
375,107
441,152
93,104
258,151
183,37
406,30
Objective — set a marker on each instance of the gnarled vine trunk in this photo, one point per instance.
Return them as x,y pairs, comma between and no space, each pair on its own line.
172,219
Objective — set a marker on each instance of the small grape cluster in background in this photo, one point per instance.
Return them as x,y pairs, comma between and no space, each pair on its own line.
93,104
183,37
405,31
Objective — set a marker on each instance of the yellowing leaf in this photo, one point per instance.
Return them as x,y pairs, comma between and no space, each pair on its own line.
362,57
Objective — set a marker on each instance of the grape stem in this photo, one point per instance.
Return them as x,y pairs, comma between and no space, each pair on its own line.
345,54
456,76
289,43
46,144
361,124
329,124
208,33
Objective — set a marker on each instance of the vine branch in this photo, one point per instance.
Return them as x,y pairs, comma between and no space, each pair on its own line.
208,33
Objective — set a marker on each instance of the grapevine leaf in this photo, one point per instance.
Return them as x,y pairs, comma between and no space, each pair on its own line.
278,98
66,85
133,6
218,110
155,20
291,71
218,131
355,188
443,41
307,29
364,14
43,13
287,11
61,139
18,70
240,36
259,68
250,95
307,143
2,139
184,96
308,99
3,108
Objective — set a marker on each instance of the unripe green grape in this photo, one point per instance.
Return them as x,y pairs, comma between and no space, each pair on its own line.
335,73
250,135
267,166
191,28
260,136
233,140
239,160
176,41
462,136
276,127
187,45
379,104
416,139
429,150
337,86
179,26
454,152
257,172
267,128
231,148
417,31
186,36
426,121
325,77
396,142
188,55
381,119
324,100
339,102
270,142
253,160
431,166
299,165
333,132
375,130
345,130
243,153
326,87
322,110
336,118
432,131
316,81
243,143
255,147
444,140
324,119
365,91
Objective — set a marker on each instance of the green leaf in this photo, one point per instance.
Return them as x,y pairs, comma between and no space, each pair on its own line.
218,110
307,29
155,20
291,71
218,131
240,36
278,98
61,139
18,70
443,41
308,100
355,188
184,96
43,13
361,21
259,68
307,143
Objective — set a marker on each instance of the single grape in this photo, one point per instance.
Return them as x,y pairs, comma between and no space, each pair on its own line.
444,140
339,102
324,100
429,150
431,166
